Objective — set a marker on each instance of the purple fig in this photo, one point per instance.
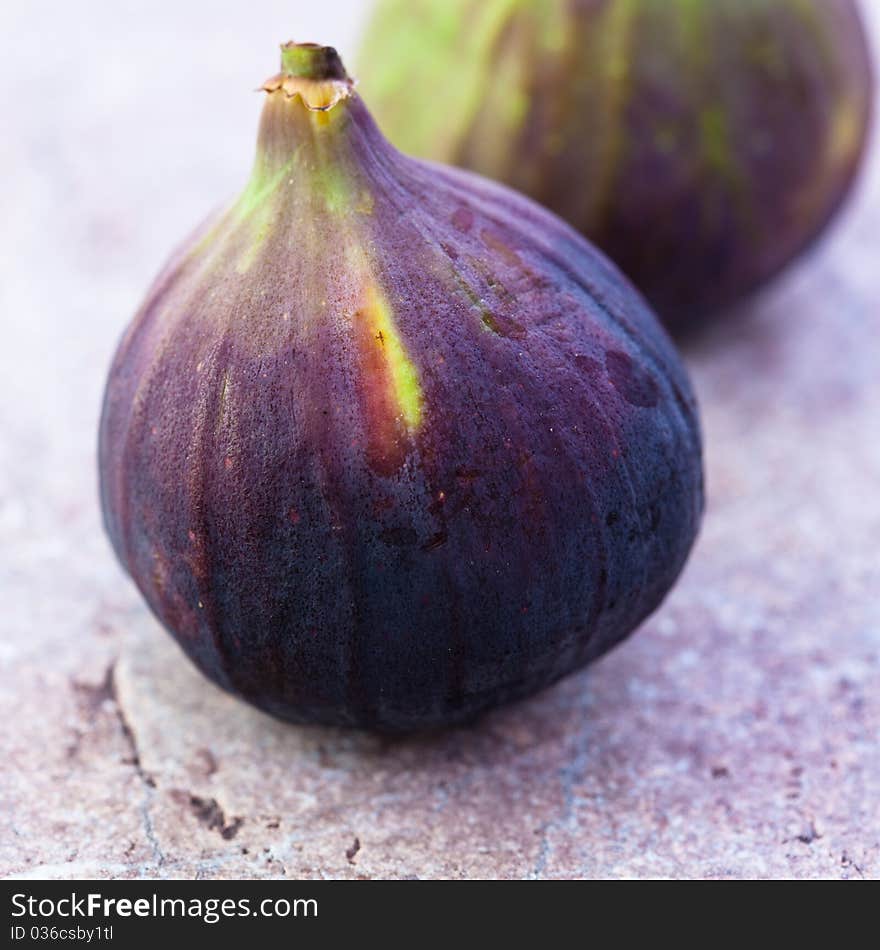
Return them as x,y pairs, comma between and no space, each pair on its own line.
388,444
702,144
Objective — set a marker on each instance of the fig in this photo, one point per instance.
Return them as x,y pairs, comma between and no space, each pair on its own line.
702,144
388,444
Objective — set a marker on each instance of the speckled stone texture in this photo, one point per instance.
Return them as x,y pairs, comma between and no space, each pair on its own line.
735,735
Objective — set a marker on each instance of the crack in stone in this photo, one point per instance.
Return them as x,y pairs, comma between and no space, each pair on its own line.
149,830
543,853
848,862
352,851
93,695
212,816
569,775
127,731
134,759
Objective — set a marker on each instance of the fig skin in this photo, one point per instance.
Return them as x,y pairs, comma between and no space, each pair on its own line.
702,144
388,444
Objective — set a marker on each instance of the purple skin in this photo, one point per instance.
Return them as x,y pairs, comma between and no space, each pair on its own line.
388,444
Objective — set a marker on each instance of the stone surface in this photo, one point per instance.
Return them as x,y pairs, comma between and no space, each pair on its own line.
735,735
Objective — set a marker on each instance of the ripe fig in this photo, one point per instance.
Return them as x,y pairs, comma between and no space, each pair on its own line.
388,444
702,144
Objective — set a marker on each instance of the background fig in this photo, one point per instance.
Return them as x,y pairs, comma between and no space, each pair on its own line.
388,444
702,144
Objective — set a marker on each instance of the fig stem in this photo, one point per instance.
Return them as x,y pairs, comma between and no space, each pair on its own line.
311,61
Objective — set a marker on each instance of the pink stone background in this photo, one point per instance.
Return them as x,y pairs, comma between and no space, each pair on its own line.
735,736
